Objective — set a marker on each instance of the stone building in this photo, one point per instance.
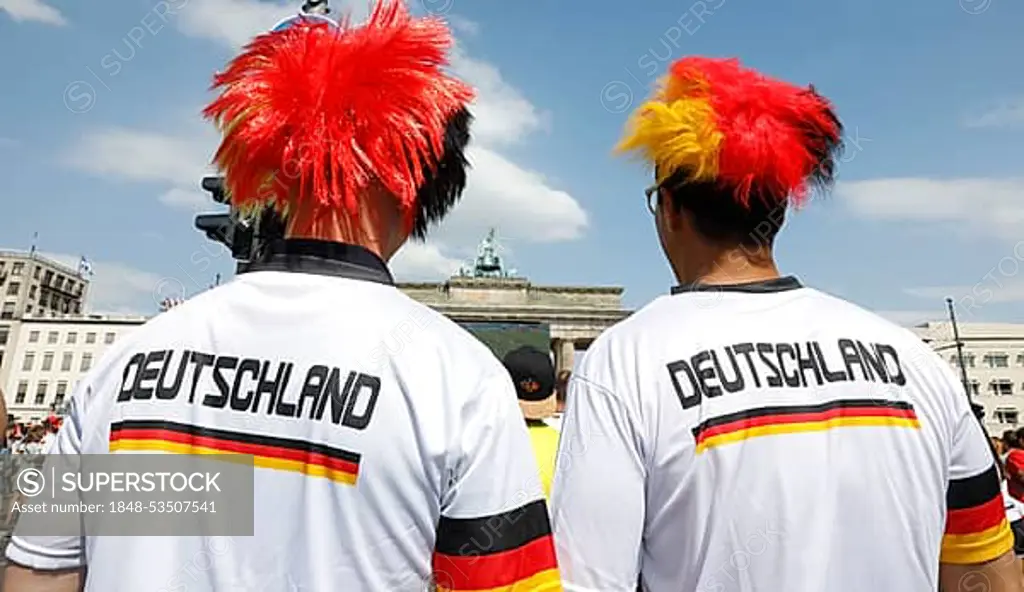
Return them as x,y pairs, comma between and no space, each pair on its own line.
488,291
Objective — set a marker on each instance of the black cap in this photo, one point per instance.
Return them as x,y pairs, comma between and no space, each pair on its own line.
532,372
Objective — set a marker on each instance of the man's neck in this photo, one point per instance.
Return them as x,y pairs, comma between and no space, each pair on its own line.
332,229
732,266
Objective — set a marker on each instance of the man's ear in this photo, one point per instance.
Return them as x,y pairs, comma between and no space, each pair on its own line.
671,216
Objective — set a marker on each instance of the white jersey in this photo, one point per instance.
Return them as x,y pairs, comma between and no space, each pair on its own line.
768,436
426,474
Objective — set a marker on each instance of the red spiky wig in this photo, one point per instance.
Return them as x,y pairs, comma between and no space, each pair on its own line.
713,121
312,114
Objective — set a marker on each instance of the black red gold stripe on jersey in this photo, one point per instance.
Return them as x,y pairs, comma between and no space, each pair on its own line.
770,421
509,552
308,458
976,527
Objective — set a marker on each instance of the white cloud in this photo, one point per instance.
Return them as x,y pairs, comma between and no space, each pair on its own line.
422,261
32,11
116,287
1007,113
140,156
463,25
235,22
520,202
503,115
516,200
186,199
988,207
176,163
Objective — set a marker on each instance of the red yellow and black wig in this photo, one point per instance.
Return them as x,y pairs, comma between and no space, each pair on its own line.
714,122
313,114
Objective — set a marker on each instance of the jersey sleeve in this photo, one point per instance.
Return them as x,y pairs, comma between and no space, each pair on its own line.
51,553
494,532
977,529
598,498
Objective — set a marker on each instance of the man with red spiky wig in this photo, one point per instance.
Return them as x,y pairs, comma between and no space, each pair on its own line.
746,432
389,450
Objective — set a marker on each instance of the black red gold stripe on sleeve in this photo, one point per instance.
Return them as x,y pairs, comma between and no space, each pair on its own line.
976,527
308,458
770,421
509,552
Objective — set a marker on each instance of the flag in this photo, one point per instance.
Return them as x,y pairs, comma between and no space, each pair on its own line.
84,267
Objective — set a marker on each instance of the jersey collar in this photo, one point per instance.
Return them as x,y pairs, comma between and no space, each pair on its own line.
323,258
781,284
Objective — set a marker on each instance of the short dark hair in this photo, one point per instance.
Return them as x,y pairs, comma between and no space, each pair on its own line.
718,217
443,185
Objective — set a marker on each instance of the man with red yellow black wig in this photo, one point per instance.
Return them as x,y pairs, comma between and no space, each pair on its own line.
389,450
746,432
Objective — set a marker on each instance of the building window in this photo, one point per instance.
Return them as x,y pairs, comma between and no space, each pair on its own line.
1020,359
65,362
968,360
8,311
33,337
1001,387
51,338
28,362
86,363
997,360
72,338
35,272
62,390
47,277
108,338
47,361
5,333
32,292
1007,416
41,392
13,288
975,387
90,338
17,268
19,397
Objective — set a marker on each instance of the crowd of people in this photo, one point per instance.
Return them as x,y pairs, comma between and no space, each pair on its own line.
1009,449
29,437
743,433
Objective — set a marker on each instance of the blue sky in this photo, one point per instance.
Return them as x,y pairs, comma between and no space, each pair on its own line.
102,146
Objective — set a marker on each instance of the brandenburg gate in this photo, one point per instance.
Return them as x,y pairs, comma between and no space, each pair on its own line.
487,291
